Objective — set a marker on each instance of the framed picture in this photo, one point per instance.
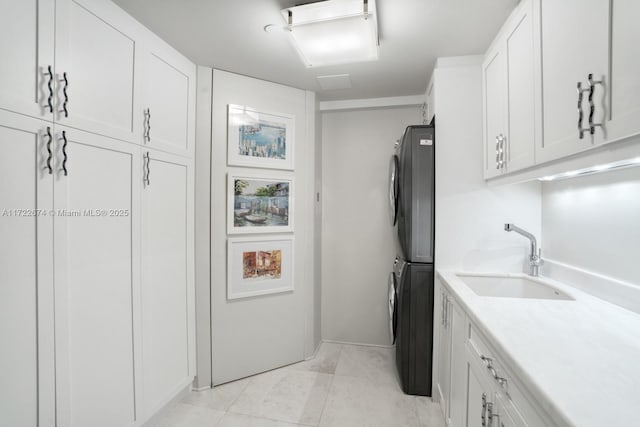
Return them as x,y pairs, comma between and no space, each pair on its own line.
259,139
259,204
259,266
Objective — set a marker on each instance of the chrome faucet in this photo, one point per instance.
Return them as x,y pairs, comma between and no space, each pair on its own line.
535,257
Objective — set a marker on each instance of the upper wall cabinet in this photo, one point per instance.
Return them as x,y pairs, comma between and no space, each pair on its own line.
624,117
168,102
597,74
26,49
575,45
511,86
97,53
561,78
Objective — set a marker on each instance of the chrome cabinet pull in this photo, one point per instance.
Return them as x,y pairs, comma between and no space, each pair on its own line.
145,180
489,364
446,312
442,310
502,150
50,87
580,112
592,107
50,156
483,414
490,414
66,95
147,130
64,153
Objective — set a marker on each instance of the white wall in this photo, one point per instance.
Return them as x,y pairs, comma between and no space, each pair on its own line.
470,215
252,335
358,246
593,223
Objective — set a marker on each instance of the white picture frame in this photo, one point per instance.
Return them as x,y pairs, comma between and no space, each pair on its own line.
259,203
259,266
260,139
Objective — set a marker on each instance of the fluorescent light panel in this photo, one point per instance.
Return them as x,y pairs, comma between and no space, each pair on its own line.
334,32
593,169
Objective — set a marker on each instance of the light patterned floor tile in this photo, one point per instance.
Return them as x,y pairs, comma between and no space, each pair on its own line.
325,361
220,397
182,415
355,402
285,395
239,420
429,412
376,364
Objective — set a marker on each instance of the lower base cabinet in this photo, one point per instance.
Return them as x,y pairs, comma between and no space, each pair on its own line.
27,377
167,281
97,318
450,380
96,253
474,387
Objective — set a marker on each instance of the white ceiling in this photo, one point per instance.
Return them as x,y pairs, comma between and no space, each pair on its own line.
229,35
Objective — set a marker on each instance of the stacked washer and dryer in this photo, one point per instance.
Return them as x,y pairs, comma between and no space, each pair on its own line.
411,284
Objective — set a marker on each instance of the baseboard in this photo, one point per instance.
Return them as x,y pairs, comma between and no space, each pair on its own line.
203,388
161,410
358,343
623,294
315,353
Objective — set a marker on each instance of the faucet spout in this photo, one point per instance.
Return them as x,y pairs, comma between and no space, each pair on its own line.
535,260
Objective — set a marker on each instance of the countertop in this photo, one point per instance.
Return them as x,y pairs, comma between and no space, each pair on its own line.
580,358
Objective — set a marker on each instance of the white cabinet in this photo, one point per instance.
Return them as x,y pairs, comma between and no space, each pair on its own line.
168,99
167,277
575,43
451,348
27,393
495,108
624,119
91,334
97,48
473,384
511,101
26,49
479,394
97,286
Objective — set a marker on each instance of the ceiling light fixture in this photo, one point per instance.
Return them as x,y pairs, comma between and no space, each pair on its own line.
333,32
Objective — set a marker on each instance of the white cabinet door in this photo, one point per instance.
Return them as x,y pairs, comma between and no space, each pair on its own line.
26,262
26,49
97,48
168,99
494,85
575,43
625,70
96,279
479,394
522,99
457,400
167,278
444,356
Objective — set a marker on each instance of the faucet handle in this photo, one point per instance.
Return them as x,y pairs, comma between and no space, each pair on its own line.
536,259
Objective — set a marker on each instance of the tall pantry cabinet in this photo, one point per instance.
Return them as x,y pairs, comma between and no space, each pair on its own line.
96,225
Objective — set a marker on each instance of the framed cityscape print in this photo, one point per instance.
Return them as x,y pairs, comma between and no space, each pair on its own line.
259,266
259,204
259,139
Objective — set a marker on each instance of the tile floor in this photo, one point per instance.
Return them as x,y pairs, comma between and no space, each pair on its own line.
343,386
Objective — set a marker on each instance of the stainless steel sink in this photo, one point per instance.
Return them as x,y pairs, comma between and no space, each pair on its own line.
511,287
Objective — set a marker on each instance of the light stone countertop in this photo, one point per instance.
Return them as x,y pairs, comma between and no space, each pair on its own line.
580,359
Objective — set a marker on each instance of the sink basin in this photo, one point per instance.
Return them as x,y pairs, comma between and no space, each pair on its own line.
511,287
